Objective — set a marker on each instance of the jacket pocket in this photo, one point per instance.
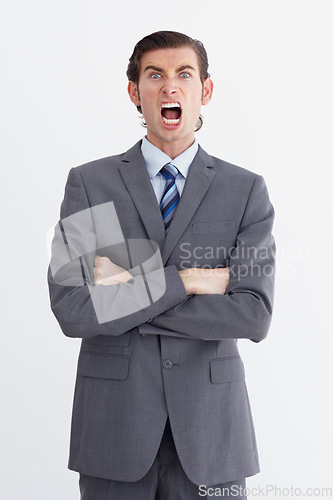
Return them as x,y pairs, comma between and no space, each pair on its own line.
110,366
227,369
122,340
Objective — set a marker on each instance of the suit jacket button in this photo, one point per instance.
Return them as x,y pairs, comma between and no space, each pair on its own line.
167,364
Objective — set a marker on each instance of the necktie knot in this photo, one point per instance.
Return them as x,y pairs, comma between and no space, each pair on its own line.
169,171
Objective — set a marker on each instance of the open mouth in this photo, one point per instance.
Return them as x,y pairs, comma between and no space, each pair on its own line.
171,112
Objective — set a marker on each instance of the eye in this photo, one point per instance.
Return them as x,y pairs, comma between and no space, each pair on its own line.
155,76
185,75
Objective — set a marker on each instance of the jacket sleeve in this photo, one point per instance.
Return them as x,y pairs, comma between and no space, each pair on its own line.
84,310
245,310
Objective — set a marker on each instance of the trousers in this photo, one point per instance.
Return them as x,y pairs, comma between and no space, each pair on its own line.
165,480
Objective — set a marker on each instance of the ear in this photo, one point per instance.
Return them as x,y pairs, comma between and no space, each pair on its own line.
207,91
132,90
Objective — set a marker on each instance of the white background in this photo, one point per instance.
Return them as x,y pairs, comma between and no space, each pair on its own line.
64,103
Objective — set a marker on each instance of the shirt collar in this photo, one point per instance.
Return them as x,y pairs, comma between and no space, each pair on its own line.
155,158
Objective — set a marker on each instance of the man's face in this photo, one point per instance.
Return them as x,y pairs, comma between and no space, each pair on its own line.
170,77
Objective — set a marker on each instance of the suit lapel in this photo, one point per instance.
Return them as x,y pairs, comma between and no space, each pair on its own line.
136,178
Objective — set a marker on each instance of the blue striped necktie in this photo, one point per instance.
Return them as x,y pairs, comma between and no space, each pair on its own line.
170,197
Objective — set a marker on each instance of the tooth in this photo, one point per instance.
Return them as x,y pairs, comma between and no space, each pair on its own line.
170,105
170,122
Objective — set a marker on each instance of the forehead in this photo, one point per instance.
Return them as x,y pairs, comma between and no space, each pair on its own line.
169,58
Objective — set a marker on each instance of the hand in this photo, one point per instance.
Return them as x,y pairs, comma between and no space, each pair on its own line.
107,273
200,281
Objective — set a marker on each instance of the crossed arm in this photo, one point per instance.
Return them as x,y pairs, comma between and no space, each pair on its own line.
208,304
195,280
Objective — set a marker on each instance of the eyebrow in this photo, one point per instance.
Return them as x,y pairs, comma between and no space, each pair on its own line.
160,70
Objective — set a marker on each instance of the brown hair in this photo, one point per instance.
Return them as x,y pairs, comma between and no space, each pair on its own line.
162,40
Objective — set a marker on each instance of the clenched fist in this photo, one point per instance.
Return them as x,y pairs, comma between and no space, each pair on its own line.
107,273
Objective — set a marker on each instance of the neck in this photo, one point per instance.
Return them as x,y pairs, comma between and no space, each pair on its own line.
171,148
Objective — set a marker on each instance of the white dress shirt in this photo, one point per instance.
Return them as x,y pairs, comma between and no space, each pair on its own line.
155,159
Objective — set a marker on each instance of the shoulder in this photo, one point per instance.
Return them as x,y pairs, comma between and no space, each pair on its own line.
231,170
108,164
234,176
236,179
93,166
244,184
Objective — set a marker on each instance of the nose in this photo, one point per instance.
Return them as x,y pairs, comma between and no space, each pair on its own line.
170,87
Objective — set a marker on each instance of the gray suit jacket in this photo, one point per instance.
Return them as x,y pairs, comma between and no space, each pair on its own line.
176,355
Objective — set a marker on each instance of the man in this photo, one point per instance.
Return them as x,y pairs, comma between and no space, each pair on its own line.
163,258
